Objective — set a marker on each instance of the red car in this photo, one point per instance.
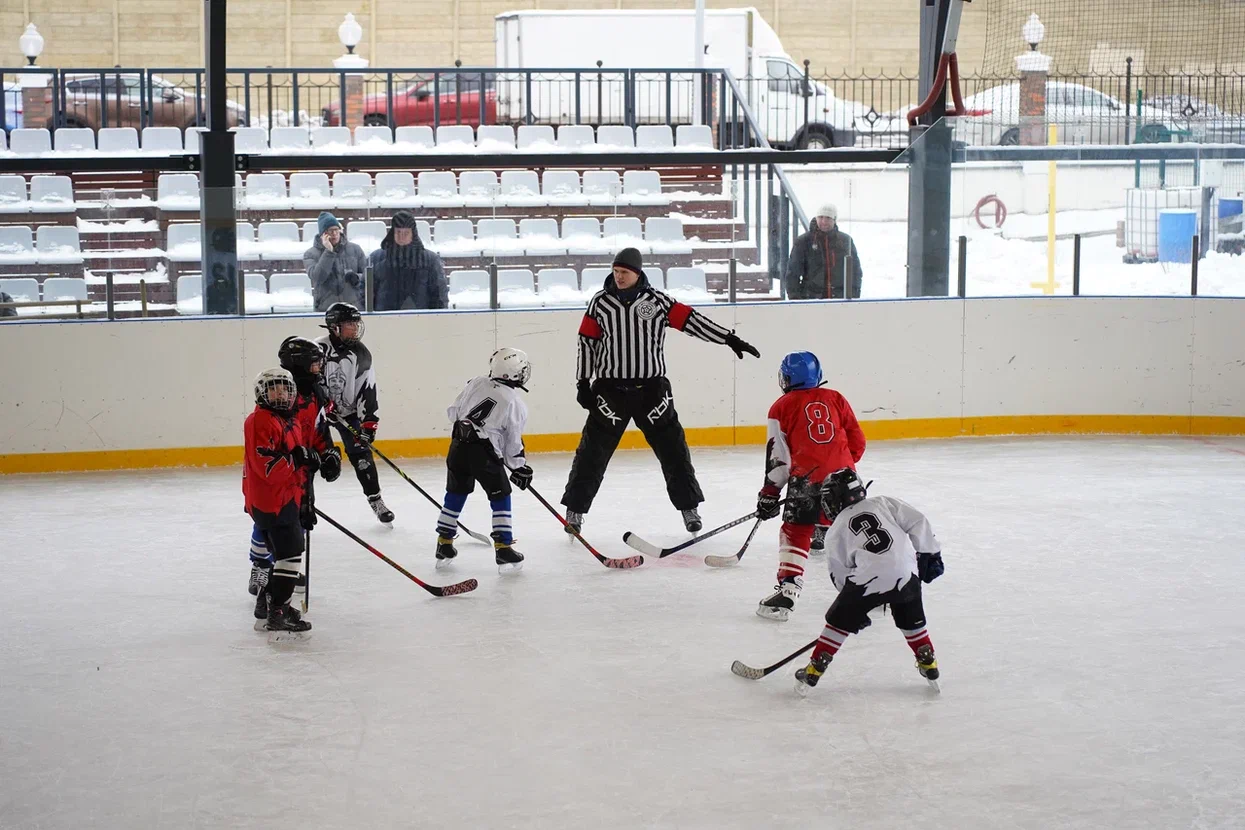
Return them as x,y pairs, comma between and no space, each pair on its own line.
459,103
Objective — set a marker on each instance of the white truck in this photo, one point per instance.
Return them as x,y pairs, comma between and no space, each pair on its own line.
559,51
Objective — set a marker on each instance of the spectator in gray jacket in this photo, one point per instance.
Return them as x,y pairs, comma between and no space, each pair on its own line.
823,261
335,266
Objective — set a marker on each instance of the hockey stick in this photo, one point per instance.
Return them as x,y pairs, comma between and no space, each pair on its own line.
652,550
307,572
479,537
622,564
726,561
446,591
749,673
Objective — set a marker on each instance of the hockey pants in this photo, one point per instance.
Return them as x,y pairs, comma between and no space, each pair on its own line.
650,403
467,463
284,537
850,612
801,514
360,458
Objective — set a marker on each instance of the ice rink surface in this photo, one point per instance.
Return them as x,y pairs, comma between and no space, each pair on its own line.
1089,630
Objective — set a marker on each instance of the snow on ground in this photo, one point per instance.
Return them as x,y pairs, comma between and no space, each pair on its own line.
1086,628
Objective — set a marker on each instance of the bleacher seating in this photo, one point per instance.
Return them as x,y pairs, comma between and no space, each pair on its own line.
13,195
51,194
624,232
177,191
455,237
536,137
330,136
311,191
521,188
658,137
420,136
367,234
290,293
289,139
247,247
58,245
541,237
266,191
602,187
686,278
562,187
190,294
64,288
438,188
614,135
643,187
17,246
280,241
250,140
21,289
477,188
162,140
118,140
352,191
498,237
29,141
459,134
366,135
694,136
575,136
395,191
74,140
495,138
257,300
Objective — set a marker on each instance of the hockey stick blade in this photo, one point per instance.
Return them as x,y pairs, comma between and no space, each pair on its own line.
622,564
647,548
466,586
726,561
748,673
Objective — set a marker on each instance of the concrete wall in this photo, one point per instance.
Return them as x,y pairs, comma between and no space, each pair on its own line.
174,392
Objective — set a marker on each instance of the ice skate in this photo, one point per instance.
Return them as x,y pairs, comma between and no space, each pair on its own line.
818,546
807,677
261,605
285,624
383,513
927,665
445,552
691,520
508,559
259,578
574,522
778,605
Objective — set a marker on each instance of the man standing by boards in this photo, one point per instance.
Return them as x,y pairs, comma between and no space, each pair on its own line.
621,375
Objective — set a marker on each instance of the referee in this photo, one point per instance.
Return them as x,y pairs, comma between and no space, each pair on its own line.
621,376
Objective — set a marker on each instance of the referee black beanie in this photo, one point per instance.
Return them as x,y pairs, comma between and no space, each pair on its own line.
629,258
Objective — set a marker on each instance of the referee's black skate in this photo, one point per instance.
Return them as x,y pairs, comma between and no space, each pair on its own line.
574,522
691,520
445,552
508,559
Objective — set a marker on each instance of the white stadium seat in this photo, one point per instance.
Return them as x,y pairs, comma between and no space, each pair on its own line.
643,187
498,237
516,288
286,139
624,232
602,188
311,191
290,293
327,136
395,190
352,191
17,246
250,140
266,191
575,136
162,140
372,135
694,137
189,294
21,289
615,135
27,141
54,194
256,300
118,140
469,289
495,138
367,234
536,137
177,191
686,279
541,237
562,188
521,188
280,241
656,137
13,195
455,237
185,243
58,245
582,235
456,134
64,288
420,136
664,235
245,235
438,188
74,140
477,188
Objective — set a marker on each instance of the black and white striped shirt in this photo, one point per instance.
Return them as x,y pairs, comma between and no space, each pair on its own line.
623,341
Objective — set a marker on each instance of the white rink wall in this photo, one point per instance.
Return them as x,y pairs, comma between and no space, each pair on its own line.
87,395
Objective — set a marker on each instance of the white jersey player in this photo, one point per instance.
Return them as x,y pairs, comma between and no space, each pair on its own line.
488,419
880,550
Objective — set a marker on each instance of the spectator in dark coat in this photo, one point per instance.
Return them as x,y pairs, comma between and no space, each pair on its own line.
823,261
335,266
405,274
7,312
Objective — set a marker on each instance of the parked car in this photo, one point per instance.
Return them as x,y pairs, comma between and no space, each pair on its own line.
1203,121
458,101
12,106
1082,114
87,95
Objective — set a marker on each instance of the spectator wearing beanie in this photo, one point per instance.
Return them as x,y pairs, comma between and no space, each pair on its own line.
823,261
405,274
335,266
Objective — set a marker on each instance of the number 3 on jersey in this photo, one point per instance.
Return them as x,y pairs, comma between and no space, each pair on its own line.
820,425
877,540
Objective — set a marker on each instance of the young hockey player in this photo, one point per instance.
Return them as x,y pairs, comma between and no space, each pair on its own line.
488,418
880,550
812,432
276,466
303,359
351,383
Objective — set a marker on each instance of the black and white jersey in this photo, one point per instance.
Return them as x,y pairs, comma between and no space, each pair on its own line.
498,413
350,379
627,341
874,544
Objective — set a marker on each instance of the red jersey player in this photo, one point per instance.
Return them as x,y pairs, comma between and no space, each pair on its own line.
274,476
812,432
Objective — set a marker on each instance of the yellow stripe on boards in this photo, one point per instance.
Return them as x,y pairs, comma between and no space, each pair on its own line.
887,430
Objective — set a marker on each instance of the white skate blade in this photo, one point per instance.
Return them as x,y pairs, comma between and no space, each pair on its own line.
444,564
802,689
815,553
261,625
509,568
775,614
933,686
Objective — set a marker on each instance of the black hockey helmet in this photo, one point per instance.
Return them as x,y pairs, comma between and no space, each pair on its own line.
343,313
298,354
841,489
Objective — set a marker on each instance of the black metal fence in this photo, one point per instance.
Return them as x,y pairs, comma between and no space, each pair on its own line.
789,111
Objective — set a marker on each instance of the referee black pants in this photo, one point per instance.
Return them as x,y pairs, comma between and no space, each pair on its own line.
650,403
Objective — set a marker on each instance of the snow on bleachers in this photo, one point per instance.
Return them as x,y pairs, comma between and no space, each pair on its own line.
13,195
51,194
121,140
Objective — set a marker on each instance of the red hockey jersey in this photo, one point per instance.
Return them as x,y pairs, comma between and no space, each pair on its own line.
811,433
270,479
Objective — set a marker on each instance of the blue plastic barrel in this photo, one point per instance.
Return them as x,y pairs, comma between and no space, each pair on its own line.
1176,231
1231,207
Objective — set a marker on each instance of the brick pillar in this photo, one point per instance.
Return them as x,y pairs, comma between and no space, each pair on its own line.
1034,70
36,101
353,116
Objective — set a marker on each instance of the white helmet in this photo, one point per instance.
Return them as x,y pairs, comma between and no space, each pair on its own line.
510,366
271,381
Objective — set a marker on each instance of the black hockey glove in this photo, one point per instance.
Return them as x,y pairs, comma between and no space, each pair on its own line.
929,566
368,431
353,280
331,464
307,515
307,458
739,347
584,396
521,477
767,504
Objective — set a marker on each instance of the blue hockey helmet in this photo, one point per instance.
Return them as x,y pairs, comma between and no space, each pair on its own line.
799,370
